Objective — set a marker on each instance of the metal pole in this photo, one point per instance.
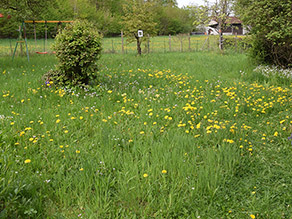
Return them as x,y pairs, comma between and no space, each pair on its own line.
46,36
25,39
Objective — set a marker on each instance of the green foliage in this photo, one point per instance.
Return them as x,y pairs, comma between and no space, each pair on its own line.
77,48
270,23
200,15
26,9
138,16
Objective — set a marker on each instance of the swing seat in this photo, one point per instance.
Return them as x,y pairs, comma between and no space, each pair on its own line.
42,52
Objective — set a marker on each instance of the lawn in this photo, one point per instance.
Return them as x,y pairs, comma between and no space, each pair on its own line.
165,135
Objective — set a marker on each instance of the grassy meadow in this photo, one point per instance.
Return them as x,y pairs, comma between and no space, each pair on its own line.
164,135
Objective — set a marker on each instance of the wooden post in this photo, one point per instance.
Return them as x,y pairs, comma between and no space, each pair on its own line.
169,43
189,37
208,43
122,36
148,43
236,42
181,43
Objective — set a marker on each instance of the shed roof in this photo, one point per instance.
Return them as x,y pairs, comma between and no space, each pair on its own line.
229,20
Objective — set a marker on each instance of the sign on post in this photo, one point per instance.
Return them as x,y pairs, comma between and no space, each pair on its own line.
140,33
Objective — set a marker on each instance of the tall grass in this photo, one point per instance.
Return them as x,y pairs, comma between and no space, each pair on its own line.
163,135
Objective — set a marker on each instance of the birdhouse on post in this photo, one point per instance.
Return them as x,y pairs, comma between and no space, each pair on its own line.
140,33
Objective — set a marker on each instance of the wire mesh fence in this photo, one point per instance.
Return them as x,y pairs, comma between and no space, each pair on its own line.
120,45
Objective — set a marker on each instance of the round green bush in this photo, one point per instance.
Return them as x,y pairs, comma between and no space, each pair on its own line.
78,49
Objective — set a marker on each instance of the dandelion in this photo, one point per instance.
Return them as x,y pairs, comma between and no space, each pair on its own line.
77,152
81,169
27,161
58,120
164,171
252,216
145,175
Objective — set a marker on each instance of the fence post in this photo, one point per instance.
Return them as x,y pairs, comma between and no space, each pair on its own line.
208,43
181,45
169,43
236,42
122,36
189,36
148,43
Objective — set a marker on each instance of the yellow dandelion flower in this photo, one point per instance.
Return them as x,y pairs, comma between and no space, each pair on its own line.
27,161
198,125
252,216
81,169
145,175
164,171
58,120
77,152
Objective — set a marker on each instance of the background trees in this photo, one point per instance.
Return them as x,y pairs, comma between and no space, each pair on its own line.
105,14
271,27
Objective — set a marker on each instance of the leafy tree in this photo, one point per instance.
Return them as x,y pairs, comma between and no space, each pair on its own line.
221,11
138,16
200,16
271,27
25,8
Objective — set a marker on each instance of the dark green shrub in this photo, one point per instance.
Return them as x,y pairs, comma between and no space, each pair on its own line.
270,23
78,48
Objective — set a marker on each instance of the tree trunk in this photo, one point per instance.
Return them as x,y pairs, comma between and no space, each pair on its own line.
139,46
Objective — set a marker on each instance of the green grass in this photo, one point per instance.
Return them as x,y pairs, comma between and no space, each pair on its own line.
220,135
